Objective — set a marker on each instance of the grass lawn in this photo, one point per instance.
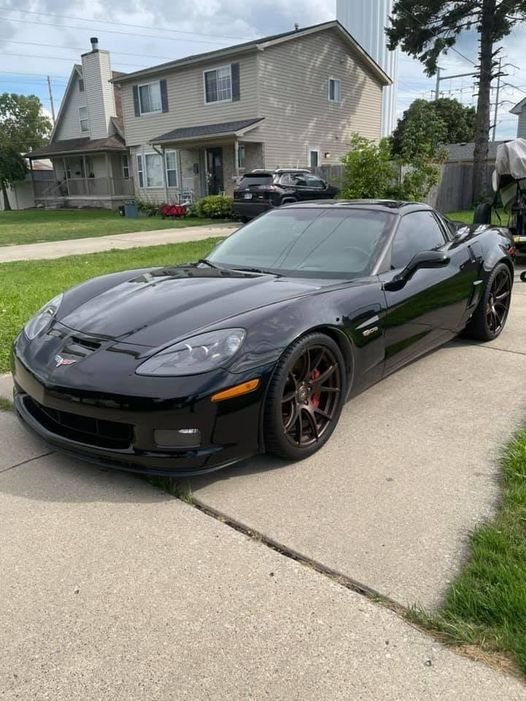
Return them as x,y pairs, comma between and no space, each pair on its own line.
467,217
486,605
36,225
26,286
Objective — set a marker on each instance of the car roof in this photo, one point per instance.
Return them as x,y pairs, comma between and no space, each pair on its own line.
277,171
401,206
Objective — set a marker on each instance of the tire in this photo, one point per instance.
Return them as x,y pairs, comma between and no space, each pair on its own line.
482,214
288,200
298,420
492,310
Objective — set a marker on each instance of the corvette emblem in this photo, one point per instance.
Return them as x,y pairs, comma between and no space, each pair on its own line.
59,360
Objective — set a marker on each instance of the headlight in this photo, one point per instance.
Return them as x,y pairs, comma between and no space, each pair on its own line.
198,354
42,318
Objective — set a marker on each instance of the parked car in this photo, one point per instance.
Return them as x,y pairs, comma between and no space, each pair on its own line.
256,348
261,190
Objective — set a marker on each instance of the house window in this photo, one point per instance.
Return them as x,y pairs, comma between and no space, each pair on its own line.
125,166
171,168
150,98
218,84
150,170
81,85
314,158
241,156
84,120
335,90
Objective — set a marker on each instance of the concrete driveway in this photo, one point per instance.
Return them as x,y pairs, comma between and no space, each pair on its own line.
112,589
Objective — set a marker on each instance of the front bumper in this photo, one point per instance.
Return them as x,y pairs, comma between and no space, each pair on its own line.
118,430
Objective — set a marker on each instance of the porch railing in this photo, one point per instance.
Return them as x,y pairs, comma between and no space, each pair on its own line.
84,187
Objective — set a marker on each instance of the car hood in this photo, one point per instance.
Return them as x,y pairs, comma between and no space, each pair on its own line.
158,307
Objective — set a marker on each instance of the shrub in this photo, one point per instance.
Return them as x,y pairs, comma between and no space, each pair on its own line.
214,207
369,170
149,209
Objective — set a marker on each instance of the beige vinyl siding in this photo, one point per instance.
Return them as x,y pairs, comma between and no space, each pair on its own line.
100,98
69,126
186,103
293,80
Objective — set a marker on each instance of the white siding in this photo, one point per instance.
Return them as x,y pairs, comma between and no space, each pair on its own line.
186,102
521,127
293,79
100,98
69,125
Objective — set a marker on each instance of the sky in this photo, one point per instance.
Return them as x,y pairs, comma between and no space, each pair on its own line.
40,38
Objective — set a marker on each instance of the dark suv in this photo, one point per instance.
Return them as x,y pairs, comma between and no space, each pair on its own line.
261,190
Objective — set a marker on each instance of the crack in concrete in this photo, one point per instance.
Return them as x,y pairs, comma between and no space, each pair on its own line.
25,462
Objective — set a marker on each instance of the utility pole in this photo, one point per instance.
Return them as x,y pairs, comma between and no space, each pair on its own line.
51,99
499,74
440,78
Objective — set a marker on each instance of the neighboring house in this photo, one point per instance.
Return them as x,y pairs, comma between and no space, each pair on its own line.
520,111
194,125
87,145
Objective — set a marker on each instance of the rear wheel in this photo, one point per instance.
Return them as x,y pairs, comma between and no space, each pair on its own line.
492,311
288,200
305,397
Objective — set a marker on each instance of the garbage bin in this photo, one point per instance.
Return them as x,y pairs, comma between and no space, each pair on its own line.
131,210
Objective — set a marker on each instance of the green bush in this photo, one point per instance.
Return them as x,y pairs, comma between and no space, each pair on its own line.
214,207
149,209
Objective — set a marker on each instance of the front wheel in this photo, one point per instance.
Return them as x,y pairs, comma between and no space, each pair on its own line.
492,310
305,397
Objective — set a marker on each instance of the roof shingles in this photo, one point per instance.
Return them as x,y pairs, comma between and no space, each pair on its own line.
224,128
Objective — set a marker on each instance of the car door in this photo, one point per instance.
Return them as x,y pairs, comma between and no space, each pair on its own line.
430,308
309,187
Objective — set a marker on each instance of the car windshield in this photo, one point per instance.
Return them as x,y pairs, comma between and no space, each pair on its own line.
308,242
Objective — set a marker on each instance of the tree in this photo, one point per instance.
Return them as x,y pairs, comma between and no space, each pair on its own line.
23,127
439,122
426,28
369,170
373,172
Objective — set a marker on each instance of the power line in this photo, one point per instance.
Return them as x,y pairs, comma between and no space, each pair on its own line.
120,24
83,49
69,60
109,31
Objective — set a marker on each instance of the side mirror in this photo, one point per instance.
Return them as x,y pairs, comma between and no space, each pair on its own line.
424,259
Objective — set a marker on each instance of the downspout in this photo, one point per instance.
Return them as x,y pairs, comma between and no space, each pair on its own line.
162,154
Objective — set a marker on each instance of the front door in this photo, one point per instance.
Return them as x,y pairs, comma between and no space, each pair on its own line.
214,170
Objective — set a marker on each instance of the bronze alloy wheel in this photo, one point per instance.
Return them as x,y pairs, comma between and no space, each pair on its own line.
305,397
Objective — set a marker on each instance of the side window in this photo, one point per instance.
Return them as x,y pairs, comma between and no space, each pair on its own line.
288,180
314,182
417,232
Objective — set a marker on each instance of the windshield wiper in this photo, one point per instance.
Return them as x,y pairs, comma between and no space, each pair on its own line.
204,261
256,270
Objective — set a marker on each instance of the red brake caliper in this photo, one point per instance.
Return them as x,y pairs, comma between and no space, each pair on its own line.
314,398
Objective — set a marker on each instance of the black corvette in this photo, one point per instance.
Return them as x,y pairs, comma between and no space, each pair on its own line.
182,370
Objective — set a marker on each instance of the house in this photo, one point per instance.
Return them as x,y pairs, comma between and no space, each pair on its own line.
520,110
20,195
87,146
195,124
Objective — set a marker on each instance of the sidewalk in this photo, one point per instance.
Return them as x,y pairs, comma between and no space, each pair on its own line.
139,239
112,589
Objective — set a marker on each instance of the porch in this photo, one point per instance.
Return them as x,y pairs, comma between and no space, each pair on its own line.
206,160
85,176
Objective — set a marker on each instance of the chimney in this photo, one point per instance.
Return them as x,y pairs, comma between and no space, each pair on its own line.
98,91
